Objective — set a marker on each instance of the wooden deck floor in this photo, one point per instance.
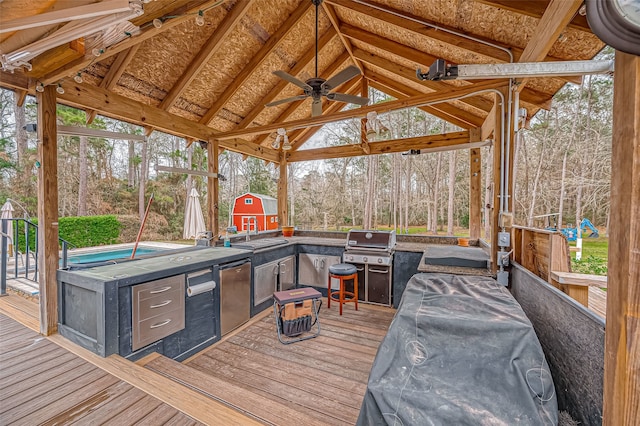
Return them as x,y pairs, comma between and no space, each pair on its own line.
42,383
320,381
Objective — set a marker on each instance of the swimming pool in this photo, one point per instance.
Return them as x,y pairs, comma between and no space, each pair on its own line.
111,253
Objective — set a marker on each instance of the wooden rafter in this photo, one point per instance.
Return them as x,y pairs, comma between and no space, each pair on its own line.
414,101
256,61
444,34
444,111
279,87
293,106
533,97
113,75
535,9
556,17
122,108
335,22
73,67
432,143
210,47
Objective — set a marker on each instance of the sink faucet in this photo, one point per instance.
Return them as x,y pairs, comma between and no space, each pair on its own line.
255,227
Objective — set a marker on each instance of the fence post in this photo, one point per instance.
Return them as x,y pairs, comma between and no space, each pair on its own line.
3,258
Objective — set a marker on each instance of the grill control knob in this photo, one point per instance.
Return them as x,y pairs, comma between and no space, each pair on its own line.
364,259
350,257
379,260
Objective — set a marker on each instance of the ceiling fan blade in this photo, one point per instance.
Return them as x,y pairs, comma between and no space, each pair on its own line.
285,100
316,108
345,75
350,99
291,79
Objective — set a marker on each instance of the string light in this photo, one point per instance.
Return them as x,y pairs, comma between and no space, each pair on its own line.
78,77
97,52
200,18
157,23
39,87
60,89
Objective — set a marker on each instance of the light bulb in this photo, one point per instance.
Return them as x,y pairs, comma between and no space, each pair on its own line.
157,23
97,52
60,89
78,78
40,87
200,18
286,146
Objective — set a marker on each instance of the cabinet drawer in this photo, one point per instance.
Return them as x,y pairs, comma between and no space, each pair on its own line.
158,287
159,304
155,328
157,310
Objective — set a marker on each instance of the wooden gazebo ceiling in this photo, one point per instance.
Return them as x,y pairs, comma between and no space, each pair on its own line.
199,81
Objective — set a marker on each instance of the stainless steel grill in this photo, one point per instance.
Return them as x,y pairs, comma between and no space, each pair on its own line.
372,254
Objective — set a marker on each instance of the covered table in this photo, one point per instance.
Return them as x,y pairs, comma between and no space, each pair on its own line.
460,351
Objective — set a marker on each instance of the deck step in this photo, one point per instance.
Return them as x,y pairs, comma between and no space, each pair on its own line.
262,408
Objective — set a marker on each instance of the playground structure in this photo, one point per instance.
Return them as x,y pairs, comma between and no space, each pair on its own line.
571,232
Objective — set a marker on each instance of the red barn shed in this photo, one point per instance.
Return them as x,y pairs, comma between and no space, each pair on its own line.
261,208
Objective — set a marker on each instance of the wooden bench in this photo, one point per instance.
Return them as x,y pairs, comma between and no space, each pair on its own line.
577,285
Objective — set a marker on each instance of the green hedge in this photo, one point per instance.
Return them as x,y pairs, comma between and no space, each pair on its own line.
82,231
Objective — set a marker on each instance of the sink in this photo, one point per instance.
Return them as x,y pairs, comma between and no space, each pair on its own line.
261,243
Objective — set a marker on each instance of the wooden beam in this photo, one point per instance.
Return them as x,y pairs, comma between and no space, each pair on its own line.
535,9
213,187
448,112
21,96
283,196
555,19
279,87
364,142
489,124
541,100
475,186
116,106
622,338
14,81
57,57
48,210
423,27
335,23
414,101
184,14
432,143
256,60
113,75
293,106
210,47
500,116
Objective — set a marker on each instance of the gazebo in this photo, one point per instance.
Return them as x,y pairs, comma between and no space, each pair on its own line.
203,70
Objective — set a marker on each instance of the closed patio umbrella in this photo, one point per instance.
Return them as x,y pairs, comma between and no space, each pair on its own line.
7,213
193,218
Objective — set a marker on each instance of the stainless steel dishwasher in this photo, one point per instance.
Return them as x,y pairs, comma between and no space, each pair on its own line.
235,294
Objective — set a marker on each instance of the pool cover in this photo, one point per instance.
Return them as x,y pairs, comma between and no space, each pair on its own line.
460,351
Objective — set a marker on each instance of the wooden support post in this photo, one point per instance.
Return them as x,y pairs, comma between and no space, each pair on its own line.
213,187
475,185
622,339
48,210
283,210
500,117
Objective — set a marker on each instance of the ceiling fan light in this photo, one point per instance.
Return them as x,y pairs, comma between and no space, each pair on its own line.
384,131
286,146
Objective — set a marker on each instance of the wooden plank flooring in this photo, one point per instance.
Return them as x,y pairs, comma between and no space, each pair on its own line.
320,381
43,383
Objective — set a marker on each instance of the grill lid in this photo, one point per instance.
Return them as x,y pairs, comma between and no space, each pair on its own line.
379,240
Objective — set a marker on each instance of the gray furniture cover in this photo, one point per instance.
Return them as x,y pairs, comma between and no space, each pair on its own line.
460,351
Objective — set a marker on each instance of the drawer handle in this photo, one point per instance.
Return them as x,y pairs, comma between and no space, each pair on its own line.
160,324
161,304
162,290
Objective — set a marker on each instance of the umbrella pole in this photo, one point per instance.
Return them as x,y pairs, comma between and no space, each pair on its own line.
144,220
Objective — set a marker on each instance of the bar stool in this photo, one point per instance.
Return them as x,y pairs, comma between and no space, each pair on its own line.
343,272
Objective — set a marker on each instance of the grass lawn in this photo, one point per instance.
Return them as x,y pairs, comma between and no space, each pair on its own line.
595,253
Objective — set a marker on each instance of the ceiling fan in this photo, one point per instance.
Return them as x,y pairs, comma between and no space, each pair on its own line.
317,87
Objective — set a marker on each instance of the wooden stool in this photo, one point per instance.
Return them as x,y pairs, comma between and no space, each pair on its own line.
343,272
